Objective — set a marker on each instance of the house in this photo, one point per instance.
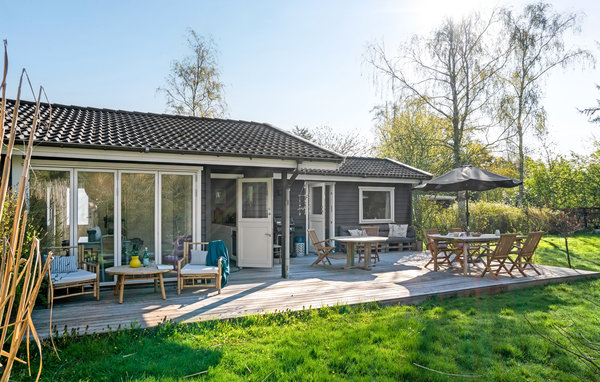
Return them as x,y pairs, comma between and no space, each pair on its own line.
123,182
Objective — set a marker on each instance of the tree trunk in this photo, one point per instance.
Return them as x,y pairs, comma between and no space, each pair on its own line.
568,255
521,161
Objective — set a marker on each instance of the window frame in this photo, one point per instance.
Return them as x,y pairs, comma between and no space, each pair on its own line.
390,190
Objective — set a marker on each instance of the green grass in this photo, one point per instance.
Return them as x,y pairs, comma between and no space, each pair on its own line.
583,247
485,336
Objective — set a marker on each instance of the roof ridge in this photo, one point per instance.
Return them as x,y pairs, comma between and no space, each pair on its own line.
161,132
53,105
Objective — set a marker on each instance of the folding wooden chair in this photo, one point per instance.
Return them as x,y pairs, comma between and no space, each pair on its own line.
440,251
525,253
370,231
322,251
500,256
476,251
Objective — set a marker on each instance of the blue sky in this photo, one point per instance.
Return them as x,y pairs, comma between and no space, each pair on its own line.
283,62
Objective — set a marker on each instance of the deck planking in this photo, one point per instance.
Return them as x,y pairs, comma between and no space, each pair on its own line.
400,277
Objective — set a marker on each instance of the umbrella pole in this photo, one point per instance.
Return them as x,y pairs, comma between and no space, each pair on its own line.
467,207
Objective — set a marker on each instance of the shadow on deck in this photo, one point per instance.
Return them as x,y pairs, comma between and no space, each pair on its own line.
398,278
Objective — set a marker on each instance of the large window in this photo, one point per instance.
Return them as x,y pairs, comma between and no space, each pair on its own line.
137,215
49,206
376,204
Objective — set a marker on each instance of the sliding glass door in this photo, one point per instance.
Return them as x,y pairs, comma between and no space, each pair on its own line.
176,215
95,216
138,208
116,213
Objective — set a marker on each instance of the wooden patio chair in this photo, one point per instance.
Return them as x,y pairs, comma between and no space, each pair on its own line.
476,251
370,231
525,253
444,256
192,267
72,269
496,260
436,249
322,250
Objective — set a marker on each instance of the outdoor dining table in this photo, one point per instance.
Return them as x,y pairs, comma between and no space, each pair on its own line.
466,243
352,241
151,272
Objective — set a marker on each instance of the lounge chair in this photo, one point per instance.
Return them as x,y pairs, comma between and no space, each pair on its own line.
192,267
72,269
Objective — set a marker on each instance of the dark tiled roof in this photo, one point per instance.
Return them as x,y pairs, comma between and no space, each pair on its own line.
375,168
75,126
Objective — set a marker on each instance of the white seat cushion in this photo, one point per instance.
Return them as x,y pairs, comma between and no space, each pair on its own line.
72,277
191,269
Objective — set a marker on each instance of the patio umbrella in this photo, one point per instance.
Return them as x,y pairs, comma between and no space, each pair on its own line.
468,178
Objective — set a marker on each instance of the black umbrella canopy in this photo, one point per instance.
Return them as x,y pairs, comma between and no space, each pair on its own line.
468,178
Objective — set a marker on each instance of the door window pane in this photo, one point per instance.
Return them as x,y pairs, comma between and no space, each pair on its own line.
317,200
95,216
176,215
49,206
376,205
254,200
137,215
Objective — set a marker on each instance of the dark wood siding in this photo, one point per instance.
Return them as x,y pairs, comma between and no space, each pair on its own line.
346,204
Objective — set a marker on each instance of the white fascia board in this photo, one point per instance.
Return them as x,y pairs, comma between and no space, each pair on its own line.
339,178
316,165
140,156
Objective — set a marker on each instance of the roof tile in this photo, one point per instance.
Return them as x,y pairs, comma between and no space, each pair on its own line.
78,126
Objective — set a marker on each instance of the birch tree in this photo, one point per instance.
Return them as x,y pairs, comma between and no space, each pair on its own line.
193,87
454,71
537,39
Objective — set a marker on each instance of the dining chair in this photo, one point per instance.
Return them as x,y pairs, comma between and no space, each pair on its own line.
455,229
444,255
525,253
496,260
369,231
322,250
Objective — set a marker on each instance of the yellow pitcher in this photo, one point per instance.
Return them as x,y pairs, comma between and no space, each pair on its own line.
135,262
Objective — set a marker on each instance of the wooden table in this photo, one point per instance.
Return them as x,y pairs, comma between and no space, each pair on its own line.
466,242
151,272
351,242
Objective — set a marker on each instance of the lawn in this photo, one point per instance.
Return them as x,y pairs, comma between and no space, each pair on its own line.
484,336
584,249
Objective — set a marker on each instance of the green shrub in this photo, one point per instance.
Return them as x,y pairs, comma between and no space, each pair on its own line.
484,217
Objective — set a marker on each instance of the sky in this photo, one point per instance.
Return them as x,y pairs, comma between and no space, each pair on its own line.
287,63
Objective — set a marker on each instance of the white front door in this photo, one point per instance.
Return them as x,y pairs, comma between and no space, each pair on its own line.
316,211
255,222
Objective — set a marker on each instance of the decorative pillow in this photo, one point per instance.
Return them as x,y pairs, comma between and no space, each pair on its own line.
356,232
398,230
198,257
63,264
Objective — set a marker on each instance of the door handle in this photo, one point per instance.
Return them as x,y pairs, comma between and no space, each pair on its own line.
268,234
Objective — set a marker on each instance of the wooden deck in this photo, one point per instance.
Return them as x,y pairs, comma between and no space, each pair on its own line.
398,278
